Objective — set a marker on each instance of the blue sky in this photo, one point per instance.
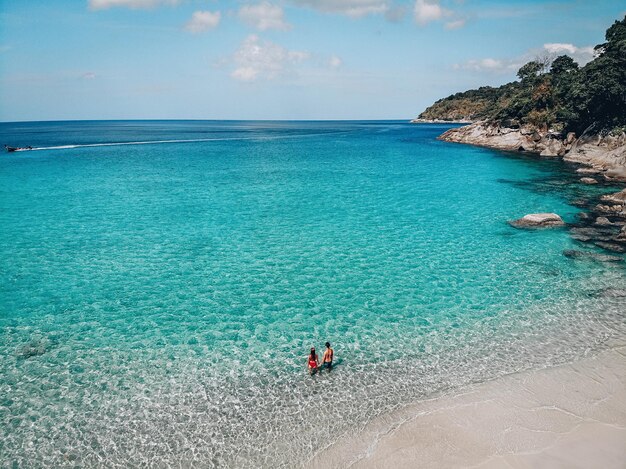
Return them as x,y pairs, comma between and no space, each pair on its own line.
275,59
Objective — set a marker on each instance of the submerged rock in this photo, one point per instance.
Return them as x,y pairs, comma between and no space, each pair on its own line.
588,181
615,247
538,220
574,254
595,233
32,349
587,171
613,293
580,203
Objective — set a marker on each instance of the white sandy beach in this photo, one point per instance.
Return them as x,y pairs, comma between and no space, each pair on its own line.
570,416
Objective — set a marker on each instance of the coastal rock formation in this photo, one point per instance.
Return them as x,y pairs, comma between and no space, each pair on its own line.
602,221
451,120
610,209
606,155
617,198
559,109
601,155
614,247
538,220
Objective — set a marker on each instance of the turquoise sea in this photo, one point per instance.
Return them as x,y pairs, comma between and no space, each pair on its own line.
162,281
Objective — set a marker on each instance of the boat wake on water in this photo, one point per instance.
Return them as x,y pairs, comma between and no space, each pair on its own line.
152,142
113,144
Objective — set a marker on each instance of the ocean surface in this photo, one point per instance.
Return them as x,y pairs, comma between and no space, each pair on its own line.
161,283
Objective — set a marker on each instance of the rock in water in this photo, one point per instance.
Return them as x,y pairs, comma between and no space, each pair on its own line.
610,246
617,198
608,208
613,293
587,171
588,181
538,220
32,349
572,253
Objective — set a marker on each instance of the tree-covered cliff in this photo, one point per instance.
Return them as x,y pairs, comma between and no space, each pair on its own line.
554,94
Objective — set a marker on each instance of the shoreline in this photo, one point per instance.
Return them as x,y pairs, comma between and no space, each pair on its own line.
603,156
571,415
417,120
602,221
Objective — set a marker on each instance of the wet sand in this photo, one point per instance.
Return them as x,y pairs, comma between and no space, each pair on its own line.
570,416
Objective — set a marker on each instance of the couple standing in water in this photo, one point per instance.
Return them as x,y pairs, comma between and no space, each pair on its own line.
327,359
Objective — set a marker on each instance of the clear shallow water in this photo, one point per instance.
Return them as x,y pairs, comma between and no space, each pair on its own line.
157,300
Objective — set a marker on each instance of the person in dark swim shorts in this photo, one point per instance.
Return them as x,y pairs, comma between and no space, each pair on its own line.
327,360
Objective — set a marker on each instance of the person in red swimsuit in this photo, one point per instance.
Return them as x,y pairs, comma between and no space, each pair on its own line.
313,362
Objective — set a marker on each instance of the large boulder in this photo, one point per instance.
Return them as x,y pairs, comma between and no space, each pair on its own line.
553,147
538,220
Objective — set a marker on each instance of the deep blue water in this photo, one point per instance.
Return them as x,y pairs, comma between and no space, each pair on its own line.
157,300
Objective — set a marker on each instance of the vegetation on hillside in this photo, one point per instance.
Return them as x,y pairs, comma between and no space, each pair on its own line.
553,94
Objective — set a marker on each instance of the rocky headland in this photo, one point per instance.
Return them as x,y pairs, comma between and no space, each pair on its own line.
599,155
558,109
599,159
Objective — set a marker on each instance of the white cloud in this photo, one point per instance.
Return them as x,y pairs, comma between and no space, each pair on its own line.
105,4
582,55
426,11
557,47
352,8
89,76
202,21
335,62
245,73
455,24
264,16
489,65
257,59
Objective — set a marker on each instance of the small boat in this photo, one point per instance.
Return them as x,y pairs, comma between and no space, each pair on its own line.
10,149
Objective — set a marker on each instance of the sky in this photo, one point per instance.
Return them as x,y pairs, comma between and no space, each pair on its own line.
274,59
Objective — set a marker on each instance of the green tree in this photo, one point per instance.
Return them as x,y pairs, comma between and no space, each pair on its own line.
563,66
529,71
601,90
